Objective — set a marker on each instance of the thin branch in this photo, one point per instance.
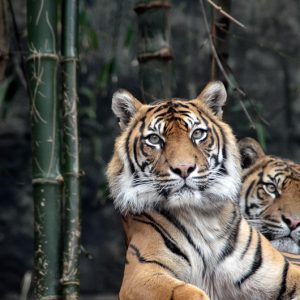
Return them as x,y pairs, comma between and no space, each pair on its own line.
220,65
223,12
261,44
87,254
247,113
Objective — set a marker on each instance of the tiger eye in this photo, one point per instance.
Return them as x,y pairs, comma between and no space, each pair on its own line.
154,139
198,134
271,188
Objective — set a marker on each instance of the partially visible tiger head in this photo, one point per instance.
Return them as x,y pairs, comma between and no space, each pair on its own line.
270,195
174,153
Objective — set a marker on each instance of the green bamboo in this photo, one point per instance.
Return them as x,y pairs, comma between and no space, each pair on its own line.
154,53
70,161
46,177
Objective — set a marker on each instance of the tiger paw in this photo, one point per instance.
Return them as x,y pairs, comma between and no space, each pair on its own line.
188,291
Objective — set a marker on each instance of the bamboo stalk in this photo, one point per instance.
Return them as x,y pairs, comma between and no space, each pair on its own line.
154,53
70,161
46,177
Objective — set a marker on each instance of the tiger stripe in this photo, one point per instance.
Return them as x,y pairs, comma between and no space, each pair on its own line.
168,240
283,281
292,258
143,260
250,236
257,262
233,236
175,222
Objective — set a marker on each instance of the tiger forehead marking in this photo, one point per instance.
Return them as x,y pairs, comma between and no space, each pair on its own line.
270,196
173,153
166,115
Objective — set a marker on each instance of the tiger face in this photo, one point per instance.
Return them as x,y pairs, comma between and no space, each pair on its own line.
174,153
270,195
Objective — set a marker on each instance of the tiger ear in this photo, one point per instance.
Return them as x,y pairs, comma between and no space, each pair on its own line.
214,96
250,151
124,106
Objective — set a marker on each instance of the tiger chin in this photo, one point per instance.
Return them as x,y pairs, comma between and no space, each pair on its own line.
175,176
270,196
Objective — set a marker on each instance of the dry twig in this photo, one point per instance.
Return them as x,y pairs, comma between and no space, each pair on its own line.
223,12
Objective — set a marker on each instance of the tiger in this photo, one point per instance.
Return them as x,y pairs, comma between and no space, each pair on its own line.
175,177
270,196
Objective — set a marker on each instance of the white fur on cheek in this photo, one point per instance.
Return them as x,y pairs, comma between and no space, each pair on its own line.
132,195
227,187
134,199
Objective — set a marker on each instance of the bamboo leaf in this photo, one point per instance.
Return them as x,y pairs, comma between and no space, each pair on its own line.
261,135
129,37
93,39
106,74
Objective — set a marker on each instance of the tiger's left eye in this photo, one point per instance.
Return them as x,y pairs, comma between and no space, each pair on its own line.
199,134
154,139
271,188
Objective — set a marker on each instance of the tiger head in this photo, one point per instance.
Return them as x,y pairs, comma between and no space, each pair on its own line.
173,153
270,195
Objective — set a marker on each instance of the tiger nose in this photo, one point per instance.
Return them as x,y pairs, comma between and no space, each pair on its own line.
183,170
291,222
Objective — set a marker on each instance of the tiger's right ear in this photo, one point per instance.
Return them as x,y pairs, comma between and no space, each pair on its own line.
250,151
214,96
124,106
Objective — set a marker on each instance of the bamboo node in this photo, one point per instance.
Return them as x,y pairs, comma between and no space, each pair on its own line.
69,59
141,8
54,297
57,180
163,54
74,174
65,282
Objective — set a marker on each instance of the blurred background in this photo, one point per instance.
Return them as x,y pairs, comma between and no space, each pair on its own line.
263,61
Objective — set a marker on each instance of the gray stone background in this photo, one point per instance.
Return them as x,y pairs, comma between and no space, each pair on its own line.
265,61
